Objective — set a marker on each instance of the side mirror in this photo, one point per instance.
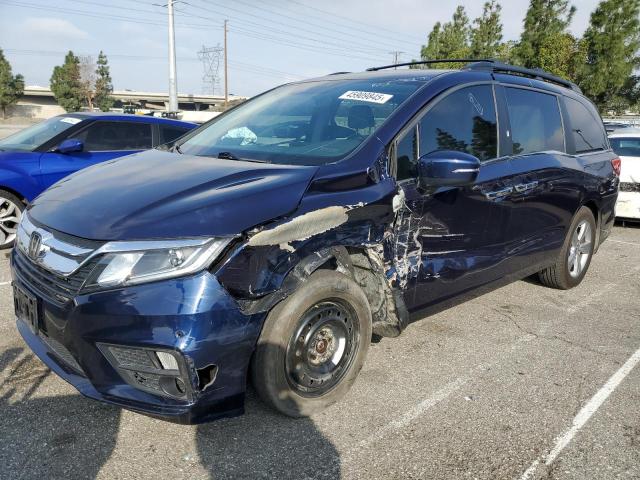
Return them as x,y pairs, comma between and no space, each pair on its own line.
447,168
70,145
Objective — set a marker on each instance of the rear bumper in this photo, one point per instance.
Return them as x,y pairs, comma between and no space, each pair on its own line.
193,317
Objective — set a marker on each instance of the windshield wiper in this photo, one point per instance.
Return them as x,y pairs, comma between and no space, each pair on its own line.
230,156
227,156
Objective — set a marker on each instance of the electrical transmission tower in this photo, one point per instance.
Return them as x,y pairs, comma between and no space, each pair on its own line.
210,58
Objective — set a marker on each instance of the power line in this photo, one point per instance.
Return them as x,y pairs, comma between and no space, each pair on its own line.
321,40
351,20
323,28
235,65
244,31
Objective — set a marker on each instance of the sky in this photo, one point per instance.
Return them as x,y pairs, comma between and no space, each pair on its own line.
270,42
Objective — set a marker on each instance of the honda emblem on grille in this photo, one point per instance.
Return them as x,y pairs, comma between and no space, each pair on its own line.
35,244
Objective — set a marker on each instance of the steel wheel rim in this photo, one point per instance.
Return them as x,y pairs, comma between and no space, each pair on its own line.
580,249
322,349
10,215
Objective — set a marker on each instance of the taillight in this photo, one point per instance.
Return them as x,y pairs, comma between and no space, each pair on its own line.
616,164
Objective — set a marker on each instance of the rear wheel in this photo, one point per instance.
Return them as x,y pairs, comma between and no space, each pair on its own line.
313,345
575,257
11,208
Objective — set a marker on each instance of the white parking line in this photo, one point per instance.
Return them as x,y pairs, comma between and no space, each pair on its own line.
423,406
585,414
4,283
621,241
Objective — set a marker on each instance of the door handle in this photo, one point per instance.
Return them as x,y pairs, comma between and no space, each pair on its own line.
523,187
498,194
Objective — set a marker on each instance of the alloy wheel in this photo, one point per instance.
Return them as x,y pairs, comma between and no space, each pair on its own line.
10,215
580,249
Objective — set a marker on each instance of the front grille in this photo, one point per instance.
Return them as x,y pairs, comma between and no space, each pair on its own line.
62,353
55,287
629,187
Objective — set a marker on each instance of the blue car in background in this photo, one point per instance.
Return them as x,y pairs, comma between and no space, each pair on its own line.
38,156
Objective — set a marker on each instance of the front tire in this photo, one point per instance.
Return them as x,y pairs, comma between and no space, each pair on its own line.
575,256
11,208
313,345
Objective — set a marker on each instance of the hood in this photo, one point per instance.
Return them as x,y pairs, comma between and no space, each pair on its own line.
157,194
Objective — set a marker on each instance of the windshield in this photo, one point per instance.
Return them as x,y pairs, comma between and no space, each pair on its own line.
32,137
310,123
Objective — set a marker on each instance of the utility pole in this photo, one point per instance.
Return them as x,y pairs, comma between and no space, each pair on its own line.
226,68
173,82
396,56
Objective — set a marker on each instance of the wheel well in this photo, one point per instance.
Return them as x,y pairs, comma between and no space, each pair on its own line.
591,205
14,192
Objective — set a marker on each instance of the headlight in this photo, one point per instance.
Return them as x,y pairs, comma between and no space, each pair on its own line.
130,263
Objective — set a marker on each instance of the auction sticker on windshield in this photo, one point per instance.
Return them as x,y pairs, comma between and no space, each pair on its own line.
372,97
70,120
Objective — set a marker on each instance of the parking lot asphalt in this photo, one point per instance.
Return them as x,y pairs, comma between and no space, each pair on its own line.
496,387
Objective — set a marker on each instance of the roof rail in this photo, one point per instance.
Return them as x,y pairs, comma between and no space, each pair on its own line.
536,73
492,66
428,62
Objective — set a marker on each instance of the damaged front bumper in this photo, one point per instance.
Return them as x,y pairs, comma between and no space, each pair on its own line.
177,349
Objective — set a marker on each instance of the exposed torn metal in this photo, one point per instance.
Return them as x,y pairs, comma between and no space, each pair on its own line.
301,228
388,310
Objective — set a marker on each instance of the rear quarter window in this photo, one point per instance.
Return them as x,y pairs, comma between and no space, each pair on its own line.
536,125
168,133
586,128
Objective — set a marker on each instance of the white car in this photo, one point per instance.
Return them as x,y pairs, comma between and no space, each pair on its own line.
626,143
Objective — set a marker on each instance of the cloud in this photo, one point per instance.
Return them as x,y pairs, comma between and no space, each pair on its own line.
52,28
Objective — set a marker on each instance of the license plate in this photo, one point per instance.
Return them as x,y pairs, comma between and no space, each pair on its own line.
26,307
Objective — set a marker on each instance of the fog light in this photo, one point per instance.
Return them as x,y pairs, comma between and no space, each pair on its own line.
167,361
155,371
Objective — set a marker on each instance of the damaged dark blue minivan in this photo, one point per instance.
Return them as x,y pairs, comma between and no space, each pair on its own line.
273,243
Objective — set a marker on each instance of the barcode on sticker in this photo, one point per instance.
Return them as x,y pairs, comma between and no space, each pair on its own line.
373,97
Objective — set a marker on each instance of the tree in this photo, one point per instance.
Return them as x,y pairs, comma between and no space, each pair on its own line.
66,83
612,41
506,51
88,79
11,87
450,40
103,85
544,19
486,33
432,50
561,54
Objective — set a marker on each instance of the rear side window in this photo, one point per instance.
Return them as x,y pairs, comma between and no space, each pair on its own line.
170,133
536,125
586,128
626,147
104,136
